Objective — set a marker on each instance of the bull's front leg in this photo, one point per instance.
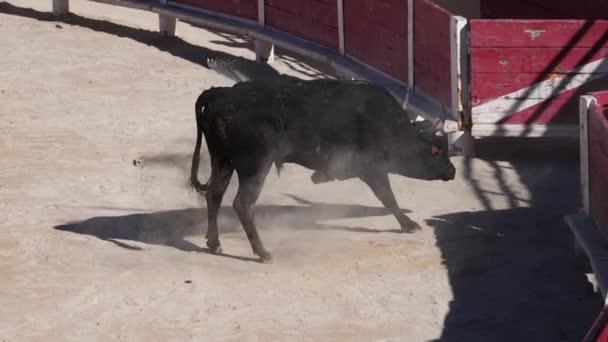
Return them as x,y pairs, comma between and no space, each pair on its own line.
380,185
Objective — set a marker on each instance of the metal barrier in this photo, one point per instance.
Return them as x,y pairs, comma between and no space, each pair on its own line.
382,43
590,225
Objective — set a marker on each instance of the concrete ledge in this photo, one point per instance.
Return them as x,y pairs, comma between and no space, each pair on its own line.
594,244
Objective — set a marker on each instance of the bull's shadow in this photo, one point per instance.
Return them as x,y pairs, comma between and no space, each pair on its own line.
170,228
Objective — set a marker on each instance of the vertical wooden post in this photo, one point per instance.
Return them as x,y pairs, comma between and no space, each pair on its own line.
461,141
585,103
458,63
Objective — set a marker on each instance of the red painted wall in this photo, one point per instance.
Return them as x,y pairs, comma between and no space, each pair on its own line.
432,50
512,55
315,20
376,32
241,8
544,9
598,161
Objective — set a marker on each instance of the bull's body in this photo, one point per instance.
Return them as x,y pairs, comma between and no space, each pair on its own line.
340,129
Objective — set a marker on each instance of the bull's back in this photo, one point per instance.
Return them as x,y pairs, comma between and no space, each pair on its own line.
356,114
242,120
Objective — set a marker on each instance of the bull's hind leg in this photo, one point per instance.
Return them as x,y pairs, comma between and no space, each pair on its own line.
251,180
221,172
380,185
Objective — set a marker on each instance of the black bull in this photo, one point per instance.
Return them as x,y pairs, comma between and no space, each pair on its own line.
339,129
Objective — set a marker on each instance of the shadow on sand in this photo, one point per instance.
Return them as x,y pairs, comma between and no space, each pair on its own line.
170,228
511,270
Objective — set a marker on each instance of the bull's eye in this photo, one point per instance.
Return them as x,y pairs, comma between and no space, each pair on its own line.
435,150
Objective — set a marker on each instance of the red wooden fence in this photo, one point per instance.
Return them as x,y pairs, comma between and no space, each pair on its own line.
315,20
376,32
543,9
533,71
432,50
241,8
598,161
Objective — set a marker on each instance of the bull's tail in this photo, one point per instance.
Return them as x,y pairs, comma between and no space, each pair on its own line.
201,102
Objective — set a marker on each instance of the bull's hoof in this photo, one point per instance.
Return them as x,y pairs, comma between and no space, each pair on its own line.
410,227
265,257
319,177
214,247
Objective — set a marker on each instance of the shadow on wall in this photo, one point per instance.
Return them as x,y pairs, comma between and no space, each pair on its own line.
233,67
511,270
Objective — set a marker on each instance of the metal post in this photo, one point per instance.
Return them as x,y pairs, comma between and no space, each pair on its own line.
410,44
264,51
340,4
261,13
61,7
166,25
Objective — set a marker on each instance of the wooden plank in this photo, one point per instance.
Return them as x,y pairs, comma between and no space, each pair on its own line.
309,19
432,50
485,87
376,33
593,242
539,33
598,161
560,111
324,13
528,109
518,9
308,10
240,8
532,60
542,9
392,16
581,9
585,103
601,96
598,190
433,79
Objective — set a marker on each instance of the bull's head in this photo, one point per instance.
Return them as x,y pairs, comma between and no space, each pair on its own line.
427,158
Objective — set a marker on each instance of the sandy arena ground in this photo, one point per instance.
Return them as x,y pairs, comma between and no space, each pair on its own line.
96,135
